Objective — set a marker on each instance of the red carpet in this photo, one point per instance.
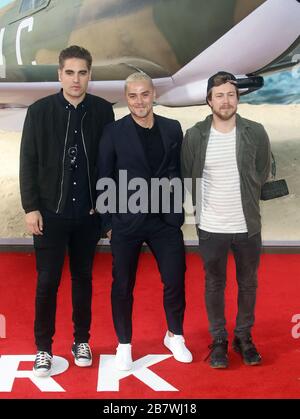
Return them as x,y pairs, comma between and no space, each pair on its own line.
278,301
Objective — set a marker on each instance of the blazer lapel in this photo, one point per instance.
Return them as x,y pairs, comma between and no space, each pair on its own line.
166,141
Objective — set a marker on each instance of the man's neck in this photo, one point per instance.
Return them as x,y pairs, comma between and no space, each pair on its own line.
146,122
75,101
224,126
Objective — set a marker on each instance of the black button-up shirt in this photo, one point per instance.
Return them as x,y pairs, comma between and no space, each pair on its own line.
78,202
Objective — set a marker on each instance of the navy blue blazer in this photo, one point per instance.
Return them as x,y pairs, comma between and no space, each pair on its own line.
121,149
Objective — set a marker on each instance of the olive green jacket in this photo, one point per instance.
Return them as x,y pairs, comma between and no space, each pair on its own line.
253,161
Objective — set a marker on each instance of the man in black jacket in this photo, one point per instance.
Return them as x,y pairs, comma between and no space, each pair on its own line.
57,181
142,148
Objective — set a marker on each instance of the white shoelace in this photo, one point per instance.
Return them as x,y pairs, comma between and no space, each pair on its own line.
43,359
83,350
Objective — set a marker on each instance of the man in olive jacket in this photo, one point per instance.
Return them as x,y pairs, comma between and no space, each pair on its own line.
227,160
58,186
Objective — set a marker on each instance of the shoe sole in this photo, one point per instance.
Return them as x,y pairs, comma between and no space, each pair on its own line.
38,373
82,364
219,367
251,364
179,360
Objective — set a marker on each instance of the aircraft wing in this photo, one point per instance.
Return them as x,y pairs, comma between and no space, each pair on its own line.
247,49
257,44
288,61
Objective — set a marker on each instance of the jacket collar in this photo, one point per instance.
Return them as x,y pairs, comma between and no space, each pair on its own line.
83,105
205,126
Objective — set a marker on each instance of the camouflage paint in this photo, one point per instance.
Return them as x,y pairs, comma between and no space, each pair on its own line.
156,36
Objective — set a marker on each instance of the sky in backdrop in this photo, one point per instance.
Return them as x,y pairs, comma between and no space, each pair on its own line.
5,2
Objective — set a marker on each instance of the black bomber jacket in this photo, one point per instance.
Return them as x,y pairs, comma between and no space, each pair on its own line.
43,180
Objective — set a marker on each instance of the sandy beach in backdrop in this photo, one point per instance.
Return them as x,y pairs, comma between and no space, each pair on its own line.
280,217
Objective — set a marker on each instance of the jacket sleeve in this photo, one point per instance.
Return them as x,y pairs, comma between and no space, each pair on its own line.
263,157
28,174
174,166
106,184
187,156
187,162
111,115
176,198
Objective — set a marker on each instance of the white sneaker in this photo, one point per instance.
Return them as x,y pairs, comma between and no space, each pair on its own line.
123,359
177,346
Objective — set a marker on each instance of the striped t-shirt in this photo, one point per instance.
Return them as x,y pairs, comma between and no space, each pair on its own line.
221,210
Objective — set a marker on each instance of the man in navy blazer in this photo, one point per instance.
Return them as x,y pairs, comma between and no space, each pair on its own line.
136,153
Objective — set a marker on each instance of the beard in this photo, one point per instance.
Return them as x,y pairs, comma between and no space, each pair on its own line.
141,113
227,113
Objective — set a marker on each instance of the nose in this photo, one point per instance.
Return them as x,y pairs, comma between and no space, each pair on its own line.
139,100
76,78
225,99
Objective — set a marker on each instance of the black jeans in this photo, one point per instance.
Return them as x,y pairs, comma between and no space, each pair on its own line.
214,248
167,246
80,237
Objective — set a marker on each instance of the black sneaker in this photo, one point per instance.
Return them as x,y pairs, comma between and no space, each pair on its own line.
42,364
218,353
247,349
82,354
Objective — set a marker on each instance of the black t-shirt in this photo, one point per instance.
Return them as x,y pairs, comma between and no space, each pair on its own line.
152,144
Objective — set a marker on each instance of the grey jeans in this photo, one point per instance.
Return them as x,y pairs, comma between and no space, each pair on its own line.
214,249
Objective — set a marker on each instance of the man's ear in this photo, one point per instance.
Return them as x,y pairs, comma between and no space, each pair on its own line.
90,76
59,74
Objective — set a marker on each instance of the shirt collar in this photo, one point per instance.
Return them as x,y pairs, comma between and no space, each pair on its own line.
66,104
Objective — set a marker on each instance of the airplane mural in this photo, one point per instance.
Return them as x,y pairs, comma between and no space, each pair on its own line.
179,43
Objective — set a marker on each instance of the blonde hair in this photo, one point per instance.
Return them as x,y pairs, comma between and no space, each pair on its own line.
138,76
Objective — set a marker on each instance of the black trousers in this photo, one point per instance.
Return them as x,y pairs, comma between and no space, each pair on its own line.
167,246
80,237
214,248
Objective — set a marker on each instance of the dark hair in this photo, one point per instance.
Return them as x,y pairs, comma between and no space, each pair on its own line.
218,79
74,51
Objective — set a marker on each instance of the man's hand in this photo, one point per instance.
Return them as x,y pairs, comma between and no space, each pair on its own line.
109,234
34,222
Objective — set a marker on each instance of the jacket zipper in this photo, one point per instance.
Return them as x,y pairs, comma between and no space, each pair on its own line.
88,164
63,164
